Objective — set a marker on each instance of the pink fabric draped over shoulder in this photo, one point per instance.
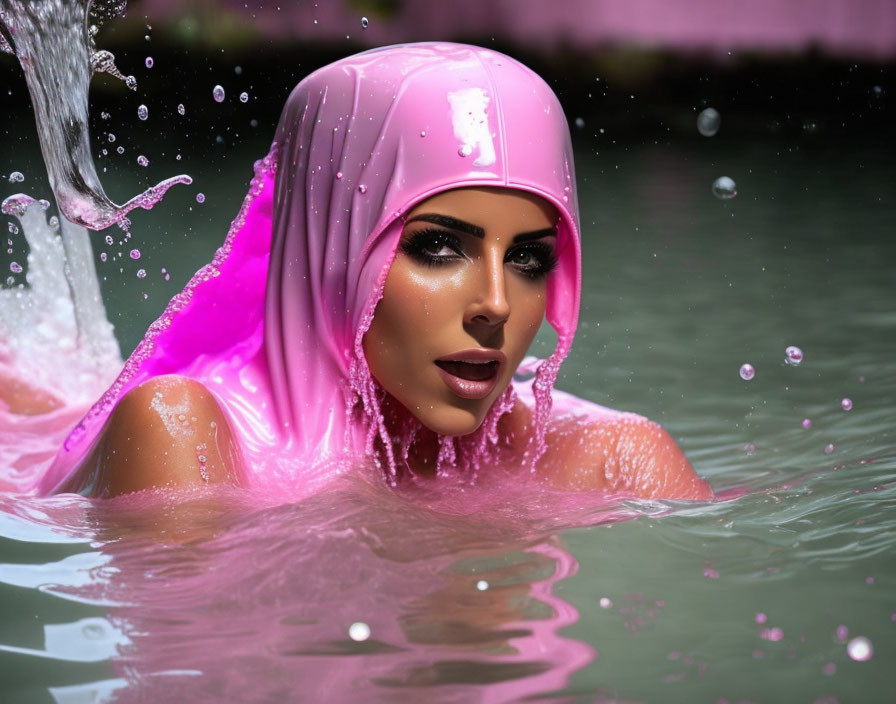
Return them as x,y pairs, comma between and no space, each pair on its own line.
273,325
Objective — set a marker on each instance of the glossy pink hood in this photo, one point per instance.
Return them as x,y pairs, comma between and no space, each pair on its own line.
273,325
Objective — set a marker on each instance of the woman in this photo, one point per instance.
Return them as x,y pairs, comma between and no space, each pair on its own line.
413,225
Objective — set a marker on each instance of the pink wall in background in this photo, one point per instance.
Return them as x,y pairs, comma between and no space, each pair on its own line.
863,28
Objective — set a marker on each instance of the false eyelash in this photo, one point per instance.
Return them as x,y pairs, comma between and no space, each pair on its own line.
546,256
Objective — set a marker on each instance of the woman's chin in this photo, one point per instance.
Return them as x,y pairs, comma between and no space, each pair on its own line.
451,421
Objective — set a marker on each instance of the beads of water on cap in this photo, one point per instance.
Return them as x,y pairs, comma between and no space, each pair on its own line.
359,631
218,94
708,122
465,150
747,372
846,404
860,649
16,177
142,112
793,355
724,188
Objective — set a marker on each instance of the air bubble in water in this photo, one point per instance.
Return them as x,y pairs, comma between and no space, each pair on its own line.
142,112
141,273
149,62
846,404
724,188
244,97
181,109
16,177
365,23
793,355
200,197
465,150
747,371
860,649
218,94
15,267
359,631
708,122
135,254
142,160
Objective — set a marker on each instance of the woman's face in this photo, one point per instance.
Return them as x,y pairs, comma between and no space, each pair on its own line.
462,303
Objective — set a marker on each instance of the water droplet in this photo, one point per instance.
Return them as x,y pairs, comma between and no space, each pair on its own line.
807,423
362,188
105,115
244,97
135,254
482,585
166,274
16,177
238,70
200,197
54,222
747,371
365,23
202,458
103,256
142,160
860,649
93,631
149,62
708,122
829,448
750,448
846,404
793,355
465,150
131,82
111,137
422,133
218,94
142,112
580,123
359,631
724,188
141,273
181,109
15,267
338,174
109,240
13,229
605,603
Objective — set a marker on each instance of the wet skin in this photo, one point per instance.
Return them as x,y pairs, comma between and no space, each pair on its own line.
462,302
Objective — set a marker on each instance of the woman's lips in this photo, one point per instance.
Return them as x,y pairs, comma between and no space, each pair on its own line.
471,374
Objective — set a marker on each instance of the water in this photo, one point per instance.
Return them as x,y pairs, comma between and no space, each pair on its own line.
55,48
778,592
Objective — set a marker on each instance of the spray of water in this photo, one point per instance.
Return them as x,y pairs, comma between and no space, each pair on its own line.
53,40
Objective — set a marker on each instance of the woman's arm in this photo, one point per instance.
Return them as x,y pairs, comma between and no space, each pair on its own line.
622,452
168,432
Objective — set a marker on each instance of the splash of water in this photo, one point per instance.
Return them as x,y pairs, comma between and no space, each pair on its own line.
54,45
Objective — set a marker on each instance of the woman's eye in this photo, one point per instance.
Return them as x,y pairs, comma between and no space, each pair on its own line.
535,260
432,246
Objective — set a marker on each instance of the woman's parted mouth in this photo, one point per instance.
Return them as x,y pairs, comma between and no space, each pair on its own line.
471,374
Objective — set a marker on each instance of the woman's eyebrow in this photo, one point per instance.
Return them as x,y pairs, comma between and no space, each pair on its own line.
451,223
471,229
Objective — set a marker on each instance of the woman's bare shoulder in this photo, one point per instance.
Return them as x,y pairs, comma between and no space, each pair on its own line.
169,431
621,452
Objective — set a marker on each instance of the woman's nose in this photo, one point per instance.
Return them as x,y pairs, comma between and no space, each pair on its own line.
489,303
